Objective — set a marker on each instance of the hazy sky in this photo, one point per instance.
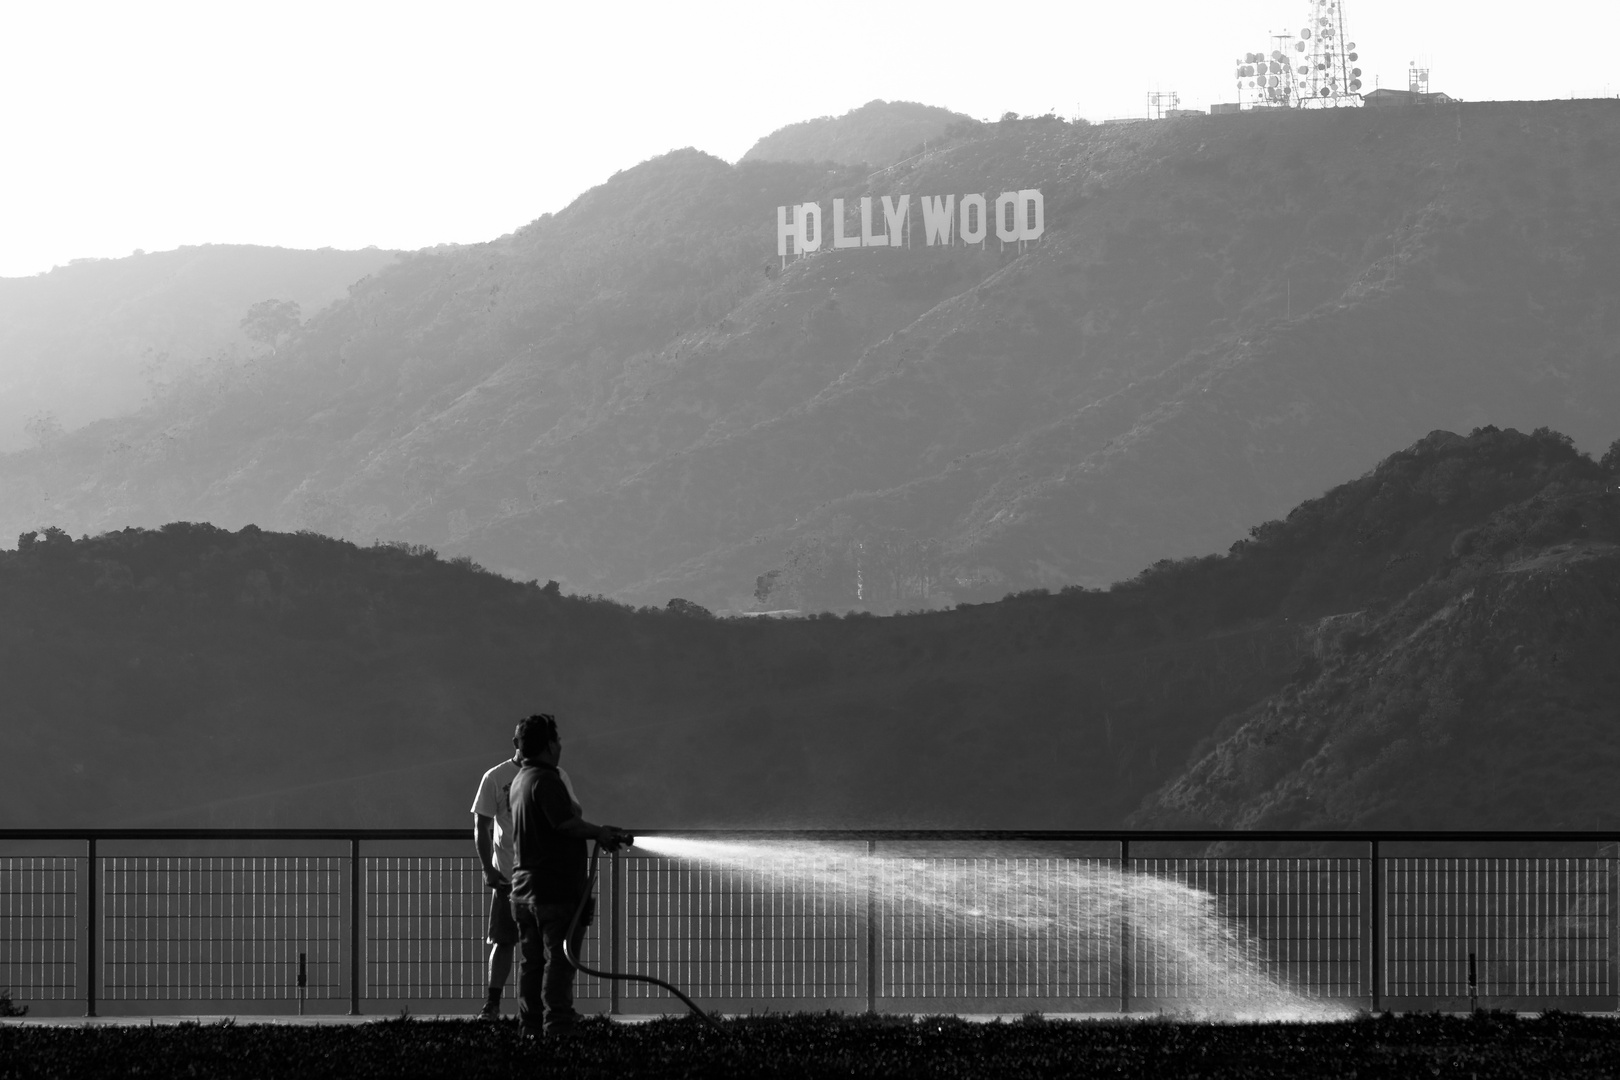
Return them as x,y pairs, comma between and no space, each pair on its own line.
152,125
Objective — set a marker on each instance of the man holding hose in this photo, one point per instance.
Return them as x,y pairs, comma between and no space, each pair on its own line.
549,875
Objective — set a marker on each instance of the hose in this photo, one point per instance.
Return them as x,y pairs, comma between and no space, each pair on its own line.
568,951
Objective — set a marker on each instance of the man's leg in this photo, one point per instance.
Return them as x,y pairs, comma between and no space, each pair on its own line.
500,970
531,940
558,981
502,934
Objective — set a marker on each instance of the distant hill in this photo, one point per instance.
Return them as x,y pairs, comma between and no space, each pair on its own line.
98,337
1483,691
1431,644
878,134
1226,316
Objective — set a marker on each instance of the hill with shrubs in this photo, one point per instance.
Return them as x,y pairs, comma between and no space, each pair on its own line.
1429,644
101,337
878,134
1225,316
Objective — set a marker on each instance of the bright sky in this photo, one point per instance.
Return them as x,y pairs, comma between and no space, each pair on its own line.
346,124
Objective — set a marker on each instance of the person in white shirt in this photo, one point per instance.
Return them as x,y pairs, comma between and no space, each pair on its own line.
492,835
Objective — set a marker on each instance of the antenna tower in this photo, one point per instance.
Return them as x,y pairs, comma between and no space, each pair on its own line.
1160,100
1325,59
1311,70
1266,79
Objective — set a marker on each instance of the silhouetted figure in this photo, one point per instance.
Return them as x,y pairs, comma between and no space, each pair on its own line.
549,834
492,834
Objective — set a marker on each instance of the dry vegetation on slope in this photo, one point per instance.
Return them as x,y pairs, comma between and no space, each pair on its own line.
1227,316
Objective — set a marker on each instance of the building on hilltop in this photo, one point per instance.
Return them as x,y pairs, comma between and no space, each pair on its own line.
1386,97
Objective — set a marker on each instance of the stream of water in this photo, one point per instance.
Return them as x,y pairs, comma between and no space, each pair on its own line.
1055,910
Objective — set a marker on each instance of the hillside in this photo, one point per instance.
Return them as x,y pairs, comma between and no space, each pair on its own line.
193,676
97,338
1225,317
1487,696
878,133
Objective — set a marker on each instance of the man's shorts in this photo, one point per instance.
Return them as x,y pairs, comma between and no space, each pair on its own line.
503,929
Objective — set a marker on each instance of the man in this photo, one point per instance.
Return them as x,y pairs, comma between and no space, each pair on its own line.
492,835
549,875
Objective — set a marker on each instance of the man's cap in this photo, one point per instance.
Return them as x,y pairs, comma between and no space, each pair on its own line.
542,724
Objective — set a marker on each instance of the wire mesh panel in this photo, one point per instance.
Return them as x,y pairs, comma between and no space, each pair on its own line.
741,932
1538,927
220,927
977,928
1248,927
39,927
426,920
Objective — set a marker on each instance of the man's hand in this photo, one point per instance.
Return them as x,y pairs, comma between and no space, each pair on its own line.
614,838
493,878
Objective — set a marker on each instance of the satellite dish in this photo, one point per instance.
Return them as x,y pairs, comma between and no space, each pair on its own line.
1271,80
1299,46
1276,54
1356,72
1304,69
1323,91
1355,84
1306,33
1351,45
1351,56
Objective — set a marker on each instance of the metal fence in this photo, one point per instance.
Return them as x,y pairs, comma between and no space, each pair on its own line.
907,921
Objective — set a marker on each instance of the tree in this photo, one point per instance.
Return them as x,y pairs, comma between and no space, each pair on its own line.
268,321
1611,460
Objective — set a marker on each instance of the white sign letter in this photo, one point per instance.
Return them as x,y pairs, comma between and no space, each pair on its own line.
785,230
939,214
867,239
1007,217
1031,214
839,239
894,218
973,223
808,219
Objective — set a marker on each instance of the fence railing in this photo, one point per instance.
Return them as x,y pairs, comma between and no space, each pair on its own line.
141,921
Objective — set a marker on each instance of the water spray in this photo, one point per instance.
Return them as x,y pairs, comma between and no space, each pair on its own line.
620,976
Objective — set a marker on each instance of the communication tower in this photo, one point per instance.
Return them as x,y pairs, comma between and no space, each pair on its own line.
1160,100
1266,79
1417,79
1325,59
1313,69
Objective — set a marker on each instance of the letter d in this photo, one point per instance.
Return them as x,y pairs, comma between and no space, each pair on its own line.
1031,214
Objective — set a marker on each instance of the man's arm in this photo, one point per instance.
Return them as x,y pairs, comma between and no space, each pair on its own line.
484,840
578,826
562,814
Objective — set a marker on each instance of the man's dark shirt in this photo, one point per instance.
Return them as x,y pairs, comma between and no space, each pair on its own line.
548,867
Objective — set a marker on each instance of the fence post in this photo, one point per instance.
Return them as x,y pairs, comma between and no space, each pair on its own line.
871,929
616,927
354,926
92,896
1124,928
1377,884
1611,864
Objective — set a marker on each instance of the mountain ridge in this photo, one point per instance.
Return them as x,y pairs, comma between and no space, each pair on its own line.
633,397
192,676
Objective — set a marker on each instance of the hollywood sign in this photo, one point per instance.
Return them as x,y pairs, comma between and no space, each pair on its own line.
947,221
